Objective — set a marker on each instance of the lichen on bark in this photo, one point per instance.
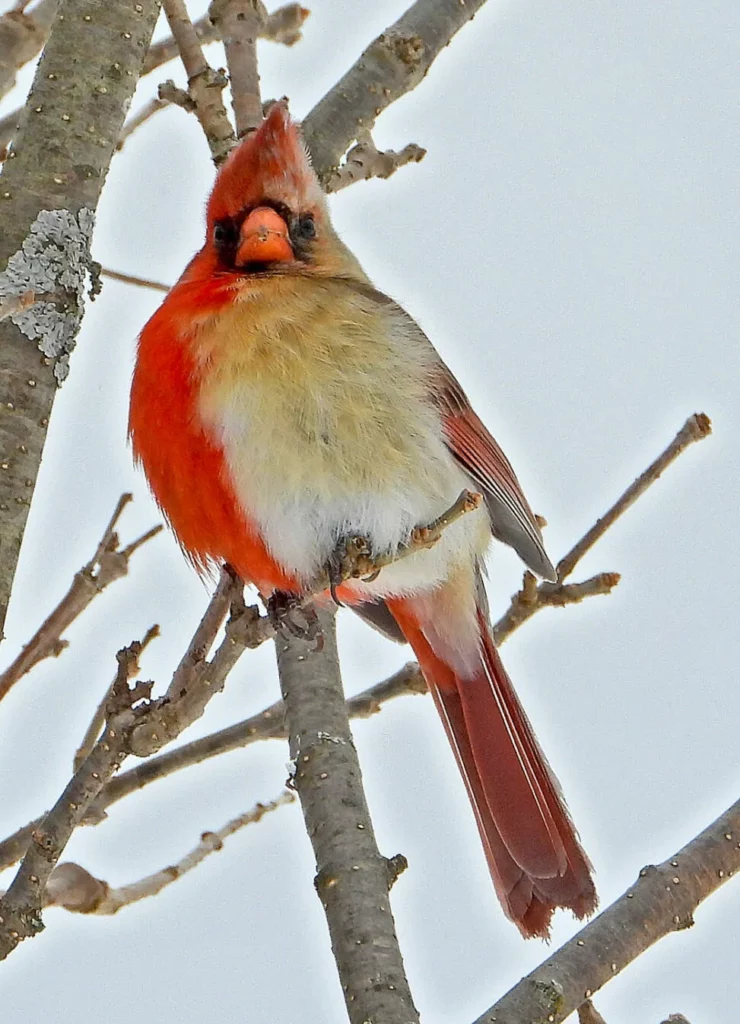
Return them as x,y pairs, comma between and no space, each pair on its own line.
54,262
49,189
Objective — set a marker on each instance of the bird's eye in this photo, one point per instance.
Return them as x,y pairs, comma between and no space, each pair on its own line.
220,234
306,226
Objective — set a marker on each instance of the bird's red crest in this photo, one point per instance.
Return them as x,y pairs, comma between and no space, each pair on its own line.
271,163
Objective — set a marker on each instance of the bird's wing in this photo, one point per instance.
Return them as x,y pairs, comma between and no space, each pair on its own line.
512,520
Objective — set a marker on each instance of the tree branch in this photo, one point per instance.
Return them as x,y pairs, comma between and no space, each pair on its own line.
696,428
21,38
662,900
139,282
365,161
48,212
109,563
97,722
239,23
352,880
205,86
75,889
534,596
588,1014
20,907
270,723
391,66
282,26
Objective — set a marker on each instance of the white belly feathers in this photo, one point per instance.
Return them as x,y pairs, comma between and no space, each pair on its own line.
328,432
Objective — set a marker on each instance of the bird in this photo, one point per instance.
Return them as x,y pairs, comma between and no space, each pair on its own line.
281,404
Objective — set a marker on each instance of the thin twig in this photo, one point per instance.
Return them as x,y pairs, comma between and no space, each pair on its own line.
359,562
284,26
534,596
139,282
20,907
662,900
240,23
150,108
75,889
97,723
109,563
696,428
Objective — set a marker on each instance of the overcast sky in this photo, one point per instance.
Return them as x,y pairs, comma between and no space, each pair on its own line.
570,245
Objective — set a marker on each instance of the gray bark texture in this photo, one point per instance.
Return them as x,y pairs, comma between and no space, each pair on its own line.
49,190
392,65
352,879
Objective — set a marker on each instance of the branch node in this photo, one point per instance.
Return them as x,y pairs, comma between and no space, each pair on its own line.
396,865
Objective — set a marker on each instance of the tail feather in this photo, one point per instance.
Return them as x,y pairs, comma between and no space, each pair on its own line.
532,849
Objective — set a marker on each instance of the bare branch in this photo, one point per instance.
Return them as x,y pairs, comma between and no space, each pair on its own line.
21,38
270,723
240,23
282,26
285,25
662,900
20,907
97,723
696,428
150,108
48,217
109,563
139,282
588,1014
534,596
359,562
391,66
13,848
365,161
75,889
205,85
353,880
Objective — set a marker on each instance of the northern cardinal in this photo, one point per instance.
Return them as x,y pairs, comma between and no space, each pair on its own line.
281,404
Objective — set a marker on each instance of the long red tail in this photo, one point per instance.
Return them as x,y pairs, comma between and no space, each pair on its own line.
532,849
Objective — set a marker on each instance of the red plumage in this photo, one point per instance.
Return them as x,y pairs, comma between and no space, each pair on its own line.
280,404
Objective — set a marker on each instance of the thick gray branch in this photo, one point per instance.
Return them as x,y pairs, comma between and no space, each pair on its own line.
662,900
392,65
49,190
353,880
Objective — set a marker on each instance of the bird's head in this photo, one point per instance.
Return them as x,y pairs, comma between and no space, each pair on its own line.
267,212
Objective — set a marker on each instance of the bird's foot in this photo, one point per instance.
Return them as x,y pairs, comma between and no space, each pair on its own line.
350,560
287,611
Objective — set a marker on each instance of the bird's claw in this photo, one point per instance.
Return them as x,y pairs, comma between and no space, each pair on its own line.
350,560
287,612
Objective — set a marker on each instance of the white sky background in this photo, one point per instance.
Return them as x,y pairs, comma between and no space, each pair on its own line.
570,245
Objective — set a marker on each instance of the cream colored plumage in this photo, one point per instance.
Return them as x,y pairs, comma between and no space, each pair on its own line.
280,405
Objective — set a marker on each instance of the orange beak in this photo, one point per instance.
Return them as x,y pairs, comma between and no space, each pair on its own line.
264,238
